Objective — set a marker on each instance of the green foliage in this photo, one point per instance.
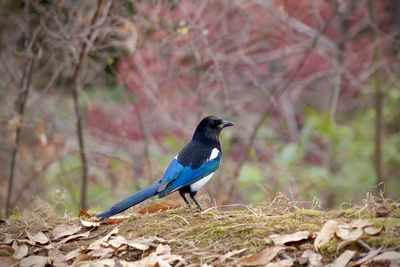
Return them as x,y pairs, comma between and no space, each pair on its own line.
331,161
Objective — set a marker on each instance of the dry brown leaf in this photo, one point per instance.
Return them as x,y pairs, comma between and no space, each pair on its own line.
326,233
72,237
163,249
295,237
371,230
20,250
138,246
369,256
65,229
391,256
115,219
346,232
261,258
73,254
360,223
102,253
41,238
281,263
343,259
90,223
162,206
84,213
57,258
97,244
149,261
7,239
117,241
314,259
37,261
6,250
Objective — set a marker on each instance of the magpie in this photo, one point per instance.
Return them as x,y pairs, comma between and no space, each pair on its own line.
191,169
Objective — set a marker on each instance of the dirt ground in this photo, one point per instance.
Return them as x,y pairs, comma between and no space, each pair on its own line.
274,234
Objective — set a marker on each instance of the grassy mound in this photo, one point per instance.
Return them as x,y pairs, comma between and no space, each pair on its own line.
205,237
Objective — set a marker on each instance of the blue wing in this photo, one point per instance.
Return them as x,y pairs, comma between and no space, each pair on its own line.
177,176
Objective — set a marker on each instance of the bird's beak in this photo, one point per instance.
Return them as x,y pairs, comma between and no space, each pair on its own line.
226,124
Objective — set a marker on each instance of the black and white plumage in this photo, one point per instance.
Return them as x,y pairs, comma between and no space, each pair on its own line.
190,170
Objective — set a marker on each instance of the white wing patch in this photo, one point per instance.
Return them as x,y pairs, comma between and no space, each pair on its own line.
214,154
200,183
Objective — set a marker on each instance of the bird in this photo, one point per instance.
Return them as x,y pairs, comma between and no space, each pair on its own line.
190,170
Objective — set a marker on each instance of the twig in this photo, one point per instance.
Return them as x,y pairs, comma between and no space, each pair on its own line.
340,54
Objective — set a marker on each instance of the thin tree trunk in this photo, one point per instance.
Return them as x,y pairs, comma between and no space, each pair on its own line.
20,105
378,105
75,96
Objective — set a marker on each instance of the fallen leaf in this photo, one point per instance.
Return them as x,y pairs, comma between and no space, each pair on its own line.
163,249
343,259
314,259
6,250
65,229
326,233
117,241
73,254
41,238
281,263
116,219
391,256
147,261
369,256
84,213
26,241
360,223
7,239
20,251
35,260
97,244
346,232
57,258
72,237
295,237
90,223
102,253
261,258
371,230
138,246
162,206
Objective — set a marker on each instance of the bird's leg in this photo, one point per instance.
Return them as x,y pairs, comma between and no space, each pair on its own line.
192,196
182,193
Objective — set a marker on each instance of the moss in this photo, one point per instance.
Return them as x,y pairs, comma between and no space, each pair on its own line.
395,213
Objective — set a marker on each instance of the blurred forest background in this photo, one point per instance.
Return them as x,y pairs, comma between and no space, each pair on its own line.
97,96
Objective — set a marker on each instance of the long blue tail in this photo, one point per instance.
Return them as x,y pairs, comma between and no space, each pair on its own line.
130,201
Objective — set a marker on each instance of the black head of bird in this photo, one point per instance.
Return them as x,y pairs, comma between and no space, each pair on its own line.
209,129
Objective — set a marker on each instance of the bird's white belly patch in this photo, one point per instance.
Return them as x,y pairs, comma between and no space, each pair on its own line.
200,183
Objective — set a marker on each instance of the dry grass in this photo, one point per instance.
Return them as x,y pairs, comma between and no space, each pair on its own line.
203,237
